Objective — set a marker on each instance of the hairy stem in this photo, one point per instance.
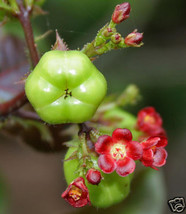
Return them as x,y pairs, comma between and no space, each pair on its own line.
24,18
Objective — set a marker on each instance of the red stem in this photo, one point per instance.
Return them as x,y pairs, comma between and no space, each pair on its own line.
24,18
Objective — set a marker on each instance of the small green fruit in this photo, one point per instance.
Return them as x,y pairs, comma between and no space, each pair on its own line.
65,87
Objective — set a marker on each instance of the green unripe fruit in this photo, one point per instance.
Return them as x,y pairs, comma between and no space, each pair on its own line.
111,190
65,87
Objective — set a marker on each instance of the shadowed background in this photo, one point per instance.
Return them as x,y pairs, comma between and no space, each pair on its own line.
33,181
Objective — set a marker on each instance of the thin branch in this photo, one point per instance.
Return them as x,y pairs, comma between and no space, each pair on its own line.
27,115
24,18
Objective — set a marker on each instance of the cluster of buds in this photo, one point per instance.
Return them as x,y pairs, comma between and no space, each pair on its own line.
108,38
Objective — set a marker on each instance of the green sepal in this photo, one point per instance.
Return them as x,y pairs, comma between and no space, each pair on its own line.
112,189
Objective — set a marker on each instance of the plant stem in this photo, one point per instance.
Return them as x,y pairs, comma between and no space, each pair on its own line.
24,18
27,115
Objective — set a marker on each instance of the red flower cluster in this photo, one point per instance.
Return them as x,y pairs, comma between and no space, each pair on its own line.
121,12
118,152
150,122
76,193
154,154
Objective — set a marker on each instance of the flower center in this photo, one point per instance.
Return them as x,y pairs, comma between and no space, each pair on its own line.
118,151
75,193
149,119
67,93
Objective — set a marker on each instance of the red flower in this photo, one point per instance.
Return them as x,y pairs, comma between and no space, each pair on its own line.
93,176
154,154
150,122
118,152
134,39
76,193
121,12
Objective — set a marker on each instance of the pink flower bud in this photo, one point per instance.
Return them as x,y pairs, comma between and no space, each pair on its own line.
121,12
134,39
93,176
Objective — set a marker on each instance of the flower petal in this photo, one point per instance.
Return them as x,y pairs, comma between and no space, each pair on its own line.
125,166
150,142
77,193
160,157
122,135
134,150
162,142
147,158
106,163
149,121
103,144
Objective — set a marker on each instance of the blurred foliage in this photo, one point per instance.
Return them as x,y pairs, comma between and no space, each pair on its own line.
3,196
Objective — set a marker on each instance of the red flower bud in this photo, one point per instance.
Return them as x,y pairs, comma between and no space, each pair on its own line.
134,39
121,12
118,152
150,122
108,31
93,176
76,193
116,38
154,154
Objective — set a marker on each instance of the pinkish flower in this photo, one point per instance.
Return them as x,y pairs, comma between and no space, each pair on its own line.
121,12
150,122
154,154
93,176
134,39
76,193
118,152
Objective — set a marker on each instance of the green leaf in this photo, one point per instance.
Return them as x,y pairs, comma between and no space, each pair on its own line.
4,6
112,189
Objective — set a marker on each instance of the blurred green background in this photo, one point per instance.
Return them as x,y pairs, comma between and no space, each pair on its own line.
34,181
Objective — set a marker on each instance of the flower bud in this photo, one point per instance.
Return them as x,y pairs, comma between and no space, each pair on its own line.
116,38
134,39
108,31
121,12
77,193
93,176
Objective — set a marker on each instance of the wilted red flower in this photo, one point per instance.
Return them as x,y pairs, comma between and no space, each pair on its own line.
154,154
76,193
150,122
134,39
118,152
121,12
93,176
